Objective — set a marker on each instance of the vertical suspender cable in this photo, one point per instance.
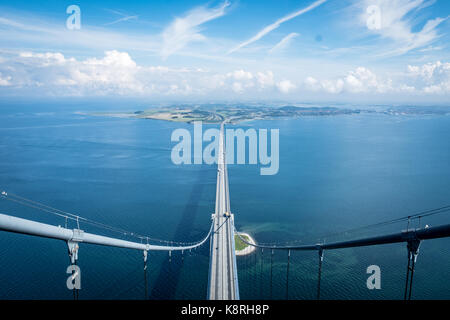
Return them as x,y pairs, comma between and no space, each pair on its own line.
413,251
407,275
74,290
271,266
412,275
78,291
145,275
287,275
320,272
254,271
261,275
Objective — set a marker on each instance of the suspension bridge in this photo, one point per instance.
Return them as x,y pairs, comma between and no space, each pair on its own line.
223,280
223,272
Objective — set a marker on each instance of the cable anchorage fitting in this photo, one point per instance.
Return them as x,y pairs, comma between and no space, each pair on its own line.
413,249
73,251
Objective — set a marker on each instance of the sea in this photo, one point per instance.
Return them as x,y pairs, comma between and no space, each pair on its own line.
336,173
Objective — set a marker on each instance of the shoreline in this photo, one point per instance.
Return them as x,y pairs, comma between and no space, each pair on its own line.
247,250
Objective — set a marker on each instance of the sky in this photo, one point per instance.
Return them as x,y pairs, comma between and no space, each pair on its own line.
366,51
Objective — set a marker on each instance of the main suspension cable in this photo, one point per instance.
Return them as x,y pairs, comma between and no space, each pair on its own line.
415,216
77,218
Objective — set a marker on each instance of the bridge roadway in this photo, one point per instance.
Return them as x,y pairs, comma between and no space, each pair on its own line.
223,281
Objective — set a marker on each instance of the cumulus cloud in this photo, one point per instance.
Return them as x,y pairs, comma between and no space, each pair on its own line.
435,77
244,80
331,86
285,86
117,73
265,79
362,80
44,59
430,78
240,75
186,29
357,81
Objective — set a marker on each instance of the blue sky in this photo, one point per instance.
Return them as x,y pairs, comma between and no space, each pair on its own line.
304,50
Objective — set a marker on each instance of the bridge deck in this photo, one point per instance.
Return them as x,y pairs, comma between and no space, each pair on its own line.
223,274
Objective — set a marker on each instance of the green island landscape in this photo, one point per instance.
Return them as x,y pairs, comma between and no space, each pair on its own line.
239,244
237,113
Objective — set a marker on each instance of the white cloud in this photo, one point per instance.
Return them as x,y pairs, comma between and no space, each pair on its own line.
117,73
276,24
285,86
4,82
361,80
398,20
265,79
435,77
184,30
284,43
240,75
431,71
331,86
44,59
312,84
114,59
430,78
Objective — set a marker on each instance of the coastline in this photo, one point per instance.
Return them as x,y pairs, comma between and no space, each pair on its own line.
247,250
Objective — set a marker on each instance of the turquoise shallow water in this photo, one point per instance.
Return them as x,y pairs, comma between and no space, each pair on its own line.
335,173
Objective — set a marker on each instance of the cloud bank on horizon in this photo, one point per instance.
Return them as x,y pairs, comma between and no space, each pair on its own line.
350,50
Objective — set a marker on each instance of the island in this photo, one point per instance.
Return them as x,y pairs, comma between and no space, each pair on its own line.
239,113
242,248
228,113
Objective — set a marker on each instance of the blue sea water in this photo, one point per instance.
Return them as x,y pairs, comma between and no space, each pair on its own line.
336,173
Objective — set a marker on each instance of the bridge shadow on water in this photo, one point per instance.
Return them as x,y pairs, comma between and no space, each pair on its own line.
168,278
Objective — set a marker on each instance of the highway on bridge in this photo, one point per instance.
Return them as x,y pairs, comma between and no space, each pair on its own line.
223,281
